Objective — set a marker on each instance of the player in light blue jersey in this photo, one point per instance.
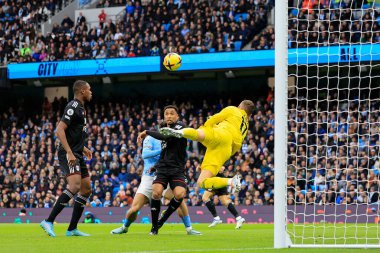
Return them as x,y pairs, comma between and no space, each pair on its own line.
151,154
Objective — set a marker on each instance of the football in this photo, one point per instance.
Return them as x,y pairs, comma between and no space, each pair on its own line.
172,61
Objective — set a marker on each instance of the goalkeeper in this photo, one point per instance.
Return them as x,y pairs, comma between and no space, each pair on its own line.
223,135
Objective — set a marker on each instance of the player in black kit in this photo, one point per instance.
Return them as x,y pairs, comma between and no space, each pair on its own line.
72,133
170,168
225,199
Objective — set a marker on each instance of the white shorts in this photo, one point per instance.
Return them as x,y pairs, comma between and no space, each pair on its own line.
145,187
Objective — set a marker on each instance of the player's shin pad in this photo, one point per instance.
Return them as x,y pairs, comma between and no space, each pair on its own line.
60,204
155,206
215,183
173,205
232,209
79,204
211,207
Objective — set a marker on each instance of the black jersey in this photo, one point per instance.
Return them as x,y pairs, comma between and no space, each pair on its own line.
173,152
74,117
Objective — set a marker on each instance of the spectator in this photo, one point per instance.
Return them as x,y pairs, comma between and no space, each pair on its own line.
102,18
96,202
81,19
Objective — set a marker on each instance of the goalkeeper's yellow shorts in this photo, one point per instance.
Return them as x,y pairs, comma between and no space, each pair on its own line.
218,142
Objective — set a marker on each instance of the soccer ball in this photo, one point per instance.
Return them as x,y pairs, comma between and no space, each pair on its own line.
172,61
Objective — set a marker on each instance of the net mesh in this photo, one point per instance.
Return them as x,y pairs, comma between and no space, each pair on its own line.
333,122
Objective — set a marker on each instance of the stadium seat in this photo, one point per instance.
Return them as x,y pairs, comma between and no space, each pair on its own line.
238,45
130,9
115,191
166,26
294,12
240,15
225,38
237,17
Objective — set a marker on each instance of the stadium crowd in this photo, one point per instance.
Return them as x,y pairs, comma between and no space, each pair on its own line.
346,171
154,29
185,26
30,175
20,23
326,23
334,152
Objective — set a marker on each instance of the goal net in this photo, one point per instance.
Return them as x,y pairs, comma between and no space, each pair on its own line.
333,119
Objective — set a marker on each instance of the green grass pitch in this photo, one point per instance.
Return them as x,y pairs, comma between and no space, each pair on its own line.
15,238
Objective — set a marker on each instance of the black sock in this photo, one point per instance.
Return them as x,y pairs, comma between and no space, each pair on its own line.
60,204
173,205
232,209
211,207
79,204
155,206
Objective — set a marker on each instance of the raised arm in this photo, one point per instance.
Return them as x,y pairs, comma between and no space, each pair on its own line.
157,135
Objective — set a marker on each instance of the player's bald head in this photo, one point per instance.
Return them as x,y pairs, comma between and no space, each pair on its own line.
247,106
79,85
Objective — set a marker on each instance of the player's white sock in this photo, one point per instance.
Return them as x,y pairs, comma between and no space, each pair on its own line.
238,218
217,218
188,229
230,181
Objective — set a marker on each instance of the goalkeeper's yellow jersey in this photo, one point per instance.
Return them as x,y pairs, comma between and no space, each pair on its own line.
233,120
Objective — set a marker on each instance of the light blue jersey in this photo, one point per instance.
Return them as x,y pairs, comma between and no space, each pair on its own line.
150,153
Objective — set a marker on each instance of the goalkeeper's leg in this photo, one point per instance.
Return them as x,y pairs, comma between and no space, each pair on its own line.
202,134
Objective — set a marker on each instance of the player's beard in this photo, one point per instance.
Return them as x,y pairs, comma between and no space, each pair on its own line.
88,99
171,123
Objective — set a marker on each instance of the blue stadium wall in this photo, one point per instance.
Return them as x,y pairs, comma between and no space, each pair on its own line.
195,62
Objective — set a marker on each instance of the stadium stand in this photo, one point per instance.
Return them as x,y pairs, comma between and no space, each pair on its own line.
341,25
29,169
30,174
153,29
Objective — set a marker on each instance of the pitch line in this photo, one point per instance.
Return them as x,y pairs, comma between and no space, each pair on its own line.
198,250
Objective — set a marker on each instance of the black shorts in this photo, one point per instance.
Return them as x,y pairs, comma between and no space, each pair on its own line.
173,179
221,191
80,167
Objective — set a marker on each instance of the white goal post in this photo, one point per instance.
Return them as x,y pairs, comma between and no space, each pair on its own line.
280,132
327,124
